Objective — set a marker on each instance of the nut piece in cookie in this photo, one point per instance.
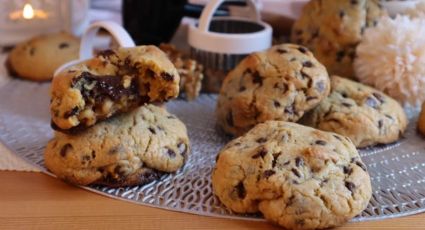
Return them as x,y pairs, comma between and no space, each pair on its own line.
129,149
112,82
281,83
38,58
191,72
296,176
365,115
332,29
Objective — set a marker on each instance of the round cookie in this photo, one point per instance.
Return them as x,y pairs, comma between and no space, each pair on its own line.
280,83
38,58
365,115
112,82
421,120
129,149
332,29
296,176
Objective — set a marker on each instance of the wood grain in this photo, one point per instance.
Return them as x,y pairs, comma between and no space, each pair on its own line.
37,201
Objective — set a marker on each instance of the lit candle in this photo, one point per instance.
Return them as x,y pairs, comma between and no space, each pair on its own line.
28,12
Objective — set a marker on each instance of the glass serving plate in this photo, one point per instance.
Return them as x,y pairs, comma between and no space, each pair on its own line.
397,170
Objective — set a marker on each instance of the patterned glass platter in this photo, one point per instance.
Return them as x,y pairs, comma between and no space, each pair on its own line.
397,170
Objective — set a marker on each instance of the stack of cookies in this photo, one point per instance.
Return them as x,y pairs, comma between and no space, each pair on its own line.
297,176
110,126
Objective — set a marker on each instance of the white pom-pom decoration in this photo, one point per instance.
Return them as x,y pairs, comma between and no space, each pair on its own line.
391,58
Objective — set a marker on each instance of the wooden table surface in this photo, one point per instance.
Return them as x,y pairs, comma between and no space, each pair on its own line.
37,201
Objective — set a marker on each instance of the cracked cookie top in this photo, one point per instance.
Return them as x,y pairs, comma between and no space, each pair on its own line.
280,83
117,151
296,176
110,83
364,114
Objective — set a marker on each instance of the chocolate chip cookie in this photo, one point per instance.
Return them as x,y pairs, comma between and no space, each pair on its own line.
112,82
365,115
38,58
129,149
191,72
332,29
296,176
280,83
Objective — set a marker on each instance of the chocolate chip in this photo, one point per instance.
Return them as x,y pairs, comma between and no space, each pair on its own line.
320,86
287,163
309,98
85,158
268,173
296,172
380,124
275,157
93,154
115,150
167,76
298,32
346,104
171,153
293,59
240,190
361,165
315,34
302,49
65,149
341,13
350,186
260,153
337,137
106,53
152,130
308,64
347,170
276,104
320,142
242,88
379,97
257,79
354,2
344,95
261,140
282,51
32,51
171,117
229,118
340,55
63,45
71,113
299,162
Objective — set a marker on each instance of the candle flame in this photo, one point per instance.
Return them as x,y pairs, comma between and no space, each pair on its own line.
28,11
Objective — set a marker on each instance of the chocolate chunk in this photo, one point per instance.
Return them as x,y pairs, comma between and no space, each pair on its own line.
240,190
282,51
257,79
346,104
347,170
380,124
229,118
106,53
296,172
361,165
276,104
65,149
71,113
350,186
379,97
167,76
260,153
63,45
302,49
340,55
261,140
93,154
171,153
275,157
299,162
320,142
308,64
152,130
268,173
